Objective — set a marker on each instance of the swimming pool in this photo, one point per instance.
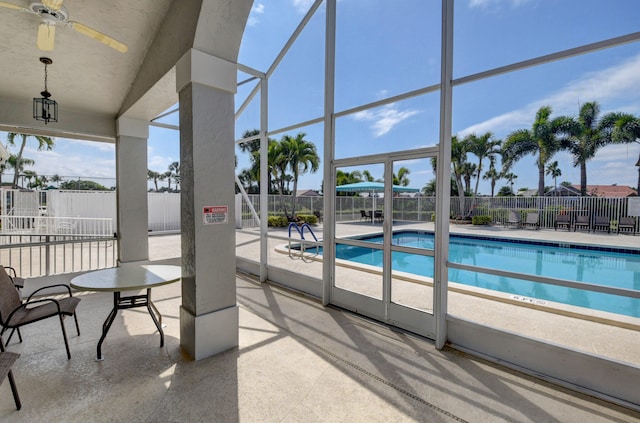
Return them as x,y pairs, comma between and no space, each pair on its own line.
603,266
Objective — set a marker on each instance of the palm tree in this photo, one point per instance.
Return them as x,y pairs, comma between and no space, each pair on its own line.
492,174
554,171
154,176
56,179
367,176
302,157
468,169
277,164
174,170
541,140
344,178
18,167
587,134
168,176
458,158
29,175
43,143
510,177
627,130
482,147
403,177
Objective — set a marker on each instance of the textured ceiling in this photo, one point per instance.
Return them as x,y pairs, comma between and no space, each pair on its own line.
86,75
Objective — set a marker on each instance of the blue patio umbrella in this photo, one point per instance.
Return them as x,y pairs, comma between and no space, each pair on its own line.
372,187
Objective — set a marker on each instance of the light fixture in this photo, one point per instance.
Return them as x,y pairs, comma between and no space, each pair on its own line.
44,108
46,36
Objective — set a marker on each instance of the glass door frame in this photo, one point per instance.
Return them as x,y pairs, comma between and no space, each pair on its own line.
384,310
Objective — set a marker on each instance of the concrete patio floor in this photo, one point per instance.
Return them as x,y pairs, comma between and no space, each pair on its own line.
297,362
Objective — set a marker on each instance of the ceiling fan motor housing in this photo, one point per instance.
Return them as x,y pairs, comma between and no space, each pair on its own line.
48,15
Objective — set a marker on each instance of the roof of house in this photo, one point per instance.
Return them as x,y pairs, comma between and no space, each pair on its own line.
527,193
618,191
307,193
563,191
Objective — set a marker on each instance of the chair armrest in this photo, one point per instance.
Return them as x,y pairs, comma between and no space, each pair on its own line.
43,300
11,271
48,287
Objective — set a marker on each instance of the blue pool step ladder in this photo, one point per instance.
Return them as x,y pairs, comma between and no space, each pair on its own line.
300,230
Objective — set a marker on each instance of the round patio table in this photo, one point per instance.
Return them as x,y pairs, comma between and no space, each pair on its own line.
128,277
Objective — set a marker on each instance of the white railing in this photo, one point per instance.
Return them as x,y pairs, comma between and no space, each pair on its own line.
43,255
44,225
422,209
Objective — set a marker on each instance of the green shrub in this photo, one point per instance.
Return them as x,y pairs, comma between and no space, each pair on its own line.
308,218
481,220
278,221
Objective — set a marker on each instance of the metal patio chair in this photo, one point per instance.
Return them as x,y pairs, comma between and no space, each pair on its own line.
14,313
627,223
562,220
18,282
514,219
601,223
582,221
532,221
6,361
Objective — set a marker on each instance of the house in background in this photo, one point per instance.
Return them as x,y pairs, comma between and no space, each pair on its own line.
609,191
307,193
564,191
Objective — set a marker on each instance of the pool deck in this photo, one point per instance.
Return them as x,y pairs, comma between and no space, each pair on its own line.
296,361
610,335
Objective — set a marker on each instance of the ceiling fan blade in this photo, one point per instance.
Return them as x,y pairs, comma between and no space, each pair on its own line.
96,35
46,36
53,5
13,6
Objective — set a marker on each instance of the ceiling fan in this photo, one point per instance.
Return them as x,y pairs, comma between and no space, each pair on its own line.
52,12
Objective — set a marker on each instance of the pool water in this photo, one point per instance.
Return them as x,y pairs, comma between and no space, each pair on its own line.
620,268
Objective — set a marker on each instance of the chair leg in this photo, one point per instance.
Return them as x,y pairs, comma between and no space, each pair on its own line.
14,390
64,334
11,334
75,317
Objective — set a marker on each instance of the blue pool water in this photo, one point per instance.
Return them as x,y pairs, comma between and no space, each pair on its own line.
611,267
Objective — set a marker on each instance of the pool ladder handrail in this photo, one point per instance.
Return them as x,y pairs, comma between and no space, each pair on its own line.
300,230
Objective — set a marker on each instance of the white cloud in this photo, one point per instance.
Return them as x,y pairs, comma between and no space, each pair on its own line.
302,6
385,118
257,9
606,85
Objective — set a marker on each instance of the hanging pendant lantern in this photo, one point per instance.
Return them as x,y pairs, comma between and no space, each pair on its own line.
45,108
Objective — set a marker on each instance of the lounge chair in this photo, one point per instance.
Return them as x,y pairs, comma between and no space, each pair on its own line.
14,313
582,222
363,215
6,361
532,220
514,219
563,220
601,223
378,216
627,223
318,215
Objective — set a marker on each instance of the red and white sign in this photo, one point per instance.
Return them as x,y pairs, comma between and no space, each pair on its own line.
215,215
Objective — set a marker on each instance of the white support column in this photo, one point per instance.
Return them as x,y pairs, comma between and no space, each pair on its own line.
131,195
209,314
443,178
329,184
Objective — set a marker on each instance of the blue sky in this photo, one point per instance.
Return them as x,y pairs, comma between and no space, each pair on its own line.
387,48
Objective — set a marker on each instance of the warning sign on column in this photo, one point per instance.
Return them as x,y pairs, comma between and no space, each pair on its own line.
213,215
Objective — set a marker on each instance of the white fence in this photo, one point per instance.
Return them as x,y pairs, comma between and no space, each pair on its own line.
79,212
87,212
422,209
